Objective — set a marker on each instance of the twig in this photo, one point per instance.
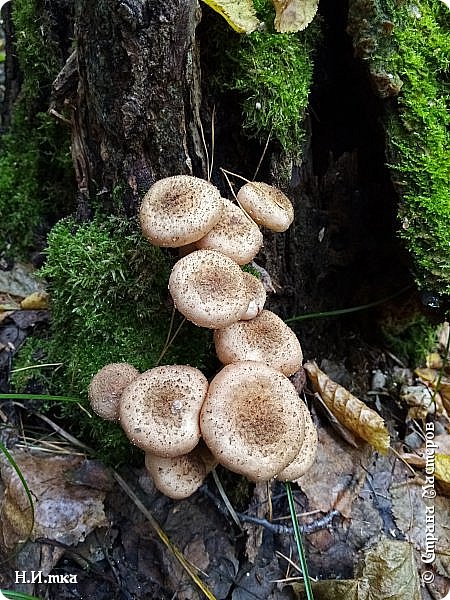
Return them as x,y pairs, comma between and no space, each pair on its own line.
306,529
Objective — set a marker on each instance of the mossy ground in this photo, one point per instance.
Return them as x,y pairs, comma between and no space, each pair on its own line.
36,175
409,44
109,304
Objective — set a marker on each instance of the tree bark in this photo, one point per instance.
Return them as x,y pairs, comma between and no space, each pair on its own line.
135,109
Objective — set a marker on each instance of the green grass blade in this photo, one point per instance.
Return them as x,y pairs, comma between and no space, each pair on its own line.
344,311
298,541
18,595
48,397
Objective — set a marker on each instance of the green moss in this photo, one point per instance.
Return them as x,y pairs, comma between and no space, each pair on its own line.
109,304
409,45
272,73
412,341
274,77
36,176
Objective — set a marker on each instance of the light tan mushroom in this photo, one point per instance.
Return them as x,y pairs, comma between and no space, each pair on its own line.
265,338
307,453
180,476
208,288
159,411
251,420
235,235
179,210
256,294
107,387
266,205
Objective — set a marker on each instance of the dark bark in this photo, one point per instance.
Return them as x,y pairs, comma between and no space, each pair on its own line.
135,110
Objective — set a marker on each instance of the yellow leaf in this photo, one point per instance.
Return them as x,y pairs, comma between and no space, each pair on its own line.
442,467
240,14
35,301
294,15
349,410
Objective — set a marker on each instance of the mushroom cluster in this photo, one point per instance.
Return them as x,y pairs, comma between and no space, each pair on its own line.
249,418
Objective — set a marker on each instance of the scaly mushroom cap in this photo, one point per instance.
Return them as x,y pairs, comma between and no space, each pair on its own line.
256,294
267,205
251,420
235,235
266,338
159,411
180,476
107,387
307,453
208,288
179,210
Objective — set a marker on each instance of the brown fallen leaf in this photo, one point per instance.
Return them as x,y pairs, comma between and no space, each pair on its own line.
388,570
439,384
64,513
35,301
294,15
349,410
240,14
442,471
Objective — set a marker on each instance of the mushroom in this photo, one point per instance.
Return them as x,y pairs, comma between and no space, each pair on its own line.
159,411
307,453
267,205
257,296
106,388
251,420
179,210
235,235
266,338
180,476
208,288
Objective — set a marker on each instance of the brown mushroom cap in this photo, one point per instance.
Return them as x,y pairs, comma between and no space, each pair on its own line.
159,411
235,235
208,288
107,387
256,294
307,453
178,477
267,205
265,338
251,420
179,210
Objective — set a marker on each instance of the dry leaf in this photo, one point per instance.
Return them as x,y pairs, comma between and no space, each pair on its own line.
294,15
35,301
63,512
442,467
351,412
411,504
240,14
388,570
441,385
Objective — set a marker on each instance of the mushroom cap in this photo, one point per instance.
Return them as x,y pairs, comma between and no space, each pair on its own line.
266,338
179,210
251,420
159,411
107,386
235,235
257,296
178,477
208,288
307,453
267,205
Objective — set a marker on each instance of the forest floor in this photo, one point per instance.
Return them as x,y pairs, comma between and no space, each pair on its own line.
373,524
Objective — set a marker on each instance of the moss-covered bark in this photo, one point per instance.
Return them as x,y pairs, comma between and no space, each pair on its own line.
407,48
